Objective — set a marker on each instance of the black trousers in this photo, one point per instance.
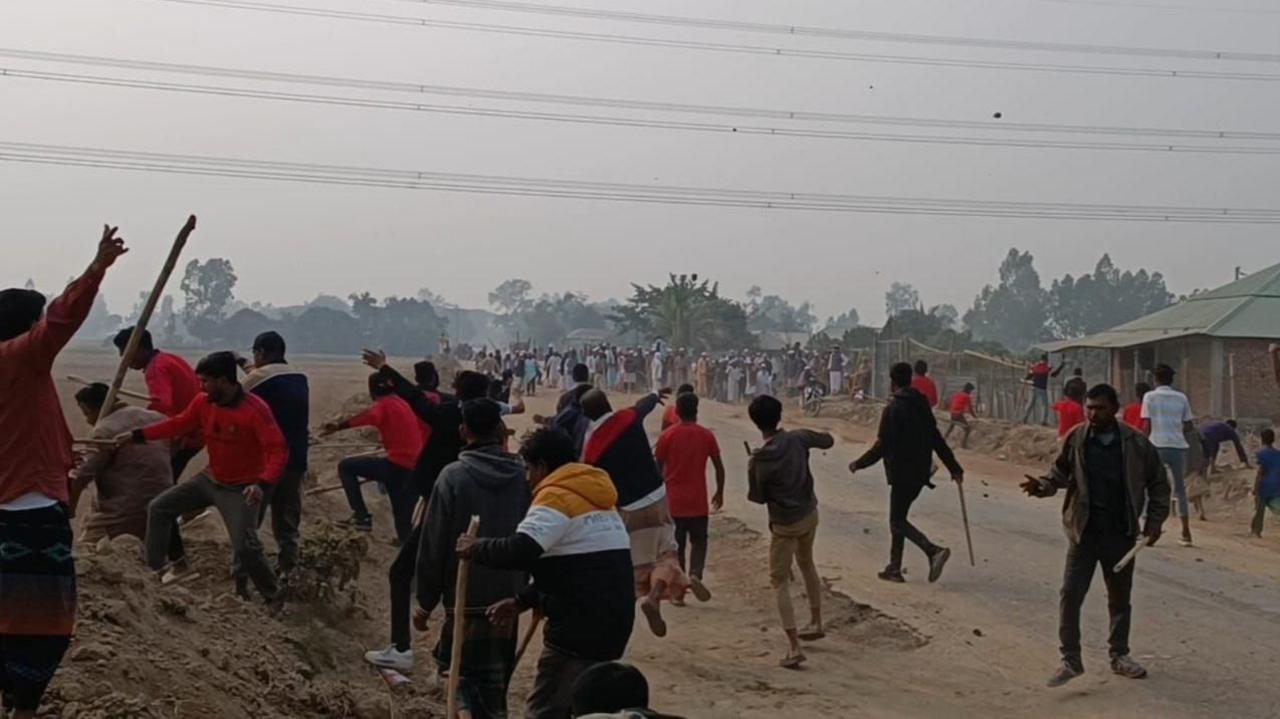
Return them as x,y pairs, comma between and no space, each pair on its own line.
285,502
401,575
692,532
178,462
901,497
1105,547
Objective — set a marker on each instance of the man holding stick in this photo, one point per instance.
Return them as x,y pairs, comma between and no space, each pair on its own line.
907,440
1111,473
38,604
247,453
489,483
171,384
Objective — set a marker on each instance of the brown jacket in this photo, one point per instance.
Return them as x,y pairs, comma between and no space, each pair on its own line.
1147,483
127,479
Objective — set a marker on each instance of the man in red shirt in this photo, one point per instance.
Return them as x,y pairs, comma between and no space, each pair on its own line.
961,410
682,453
670,417
921,383
1132,413
38,604
247,452
402,436
172,385
1070,409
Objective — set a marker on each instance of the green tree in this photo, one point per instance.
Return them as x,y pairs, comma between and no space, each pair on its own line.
688,312
510,298
1104,298
771,313
842,323
208,287
1013,313
900,298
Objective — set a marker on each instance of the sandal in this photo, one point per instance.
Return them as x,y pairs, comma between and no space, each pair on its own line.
792,661
811,634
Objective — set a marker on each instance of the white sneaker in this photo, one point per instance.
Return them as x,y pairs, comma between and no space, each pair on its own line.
391,658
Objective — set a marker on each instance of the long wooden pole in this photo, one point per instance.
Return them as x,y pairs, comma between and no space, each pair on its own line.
459,625
964,515
126,357
534,621
122,393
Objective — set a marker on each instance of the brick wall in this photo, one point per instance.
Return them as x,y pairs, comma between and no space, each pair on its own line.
1257,396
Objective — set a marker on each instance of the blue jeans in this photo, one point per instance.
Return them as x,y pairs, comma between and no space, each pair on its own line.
394,478
1175,460
1039,405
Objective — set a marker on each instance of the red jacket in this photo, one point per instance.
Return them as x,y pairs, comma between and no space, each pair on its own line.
926,387
399,427
1070,416
245,444
172,385
35,444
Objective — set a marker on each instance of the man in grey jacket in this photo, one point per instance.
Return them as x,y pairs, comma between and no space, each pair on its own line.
778,476
489,483
1111,474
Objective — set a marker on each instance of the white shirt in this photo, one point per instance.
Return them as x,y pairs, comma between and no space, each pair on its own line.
1167,409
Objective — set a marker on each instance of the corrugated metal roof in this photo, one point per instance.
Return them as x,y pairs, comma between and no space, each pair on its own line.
1248,308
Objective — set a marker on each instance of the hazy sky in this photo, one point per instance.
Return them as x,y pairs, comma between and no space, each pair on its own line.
289,242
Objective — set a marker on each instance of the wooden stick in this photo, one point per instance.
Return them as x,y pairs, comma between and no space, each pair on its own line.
123,393
345,445
964,515
459,625
528,637
94,442
1132,555
126,357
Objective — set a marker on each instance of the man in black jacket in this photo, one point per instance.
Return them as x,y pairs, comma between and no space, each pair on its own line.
907,440
488,483
285,390
445,420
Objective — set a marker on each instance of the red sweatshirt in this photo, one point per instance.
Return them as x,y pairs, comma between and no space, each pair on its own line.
35,445
399,427
926,387
1070,415
172,385
245,444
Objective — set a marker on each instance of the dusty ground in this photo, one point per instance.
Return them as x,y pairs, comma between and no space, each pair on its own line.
977,644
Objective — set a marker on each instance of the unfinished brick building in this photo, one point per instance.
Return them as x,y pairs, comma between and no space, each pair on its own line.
1217,341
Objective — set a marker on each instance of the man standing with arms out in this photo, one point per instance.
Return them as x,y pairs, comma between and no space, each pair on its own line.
1166,417
38,604
961,410
489,483
906,441
1111,473
1038,374
682,453
1132,413
921,383
576,548
401,436
1266,489
171,383
778,476
287,393
247,454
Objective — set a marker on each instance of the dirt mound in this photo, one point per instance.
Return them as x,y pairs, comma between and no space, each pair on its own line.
198,650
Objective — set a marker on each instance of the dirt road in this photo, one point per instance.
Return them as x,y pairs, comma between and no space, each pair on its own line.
1203,616
979,643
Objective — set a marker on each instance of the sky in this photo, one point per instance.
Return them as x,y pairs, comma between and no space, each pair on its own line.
290,242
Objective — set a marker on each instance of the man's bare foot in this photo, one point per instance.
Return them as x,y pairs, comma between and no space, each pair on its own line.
812,633
653,614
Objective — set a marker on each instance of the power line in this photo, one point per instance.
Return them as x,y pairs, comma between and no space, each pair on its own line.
643,41
629,104
571,189
849,34
582,119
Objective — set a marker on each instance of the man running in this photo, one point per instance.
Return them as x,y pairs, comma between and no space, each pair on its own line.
778,476
488,483
616,442
402,437
38,604
961,410
574,545
1112,474
247,454
682,453
907,440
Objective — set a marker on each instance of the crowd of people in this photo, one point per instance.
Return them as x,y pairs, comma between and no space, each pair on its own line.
587,525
